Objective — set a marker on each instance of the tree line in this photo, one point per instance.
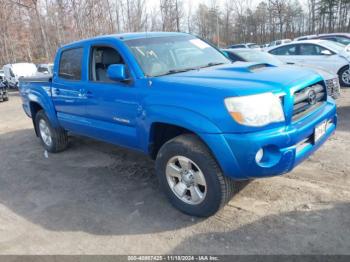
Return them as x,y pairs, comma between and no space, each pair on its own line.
32,30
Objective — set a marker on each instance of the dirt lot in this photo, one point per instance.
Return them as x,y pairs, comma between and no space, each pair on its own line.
99,199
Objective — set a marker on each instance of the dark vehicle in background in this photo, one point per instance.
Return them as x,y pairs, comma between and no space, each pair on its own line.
247,55
3,88
343,38
247,45
2,75
3,92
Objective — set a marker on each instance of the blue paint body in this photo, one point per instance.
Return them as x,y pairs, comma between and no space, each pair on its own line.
124,113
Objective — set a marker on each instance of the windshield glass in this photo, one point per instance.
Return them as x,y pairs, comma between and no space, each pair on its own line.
343,40
168,55
258,56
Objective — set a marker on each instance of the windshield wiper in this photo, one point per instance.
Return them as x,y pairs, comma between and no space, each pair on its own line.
175,71
212,64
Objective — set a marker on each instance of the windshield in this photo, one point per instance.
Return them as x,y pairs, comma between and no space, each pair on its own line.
168,55
343,40
258,56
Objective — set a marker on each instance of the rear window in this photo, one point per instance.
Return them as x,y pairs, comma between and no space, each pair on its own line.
71,63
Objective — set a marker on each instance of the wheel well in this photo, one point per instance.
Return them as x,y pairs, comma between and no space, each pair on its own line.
34,109
161,133
346,66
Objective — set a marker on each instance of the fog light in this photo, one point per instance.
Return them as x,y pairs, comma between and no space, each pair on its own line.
259,155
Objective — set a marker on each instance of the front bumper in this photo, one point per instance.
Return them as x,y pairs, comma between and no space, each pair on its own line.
284,147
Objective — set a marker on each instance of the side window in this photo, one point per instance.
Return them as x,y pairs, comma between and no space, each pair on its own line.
71,63
310,49
101,58
285,50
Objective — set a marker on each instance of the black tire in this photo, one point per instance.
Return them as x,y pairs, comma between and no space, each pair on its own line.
340,74
220,189
59,136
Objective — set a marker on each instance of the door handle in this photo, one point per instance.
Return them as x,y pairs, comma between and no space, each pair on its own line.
290,63
56,91
89,94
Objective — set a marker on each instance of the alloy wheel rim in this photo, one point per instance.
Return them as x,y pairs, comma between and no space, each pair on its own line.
186,180
346,76
45,132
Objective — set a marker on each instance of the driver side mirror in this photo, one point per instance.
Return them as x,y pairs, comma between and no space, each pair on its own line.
117,72
326,52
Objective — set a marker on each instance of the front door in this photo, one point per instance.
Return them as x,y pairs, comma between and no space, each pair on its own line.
112,107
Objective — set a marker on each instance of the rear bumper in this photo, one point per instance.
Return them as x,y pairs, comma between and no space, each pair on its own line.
284,148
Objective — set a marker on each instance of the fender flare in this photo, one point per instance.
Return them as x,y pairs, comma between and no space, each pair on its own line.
44,100
181,117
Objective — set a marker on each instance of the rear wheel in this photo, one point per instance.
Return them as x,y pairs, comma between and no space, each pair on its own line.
191,178
53,139
344,76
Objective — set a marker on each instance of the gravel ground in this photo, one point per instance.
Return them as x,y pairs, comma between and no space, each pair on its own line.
96,198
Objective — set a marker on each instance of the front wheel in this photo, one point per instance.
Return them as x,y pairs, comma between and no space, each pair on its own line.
53,139
191,178
344,76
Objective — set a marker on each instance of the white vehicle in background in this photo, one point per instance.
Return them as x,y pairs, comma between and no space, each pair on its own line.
45,68
247,45
279,42
331,56
12,73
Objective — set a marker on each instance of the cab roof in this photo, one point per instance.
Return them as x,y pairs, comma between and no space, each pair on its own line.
127,36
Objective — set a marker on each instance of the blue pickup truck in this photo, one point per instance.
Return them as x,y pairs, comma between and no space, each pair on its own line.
206,121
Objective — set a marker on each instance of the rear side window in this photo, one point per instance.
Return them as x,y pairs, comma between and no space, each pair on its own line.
285,50
71,63
310,49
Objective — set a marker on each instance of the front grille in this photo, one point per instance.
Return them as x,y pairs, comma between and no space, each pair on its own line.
308,99
333,87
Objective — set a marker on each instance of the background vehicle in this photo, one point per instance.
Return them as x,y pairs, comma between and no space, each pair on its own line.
192,112
247,45
13,72
331,56
279,42
342,38
332,82
3,92
45,68
2,75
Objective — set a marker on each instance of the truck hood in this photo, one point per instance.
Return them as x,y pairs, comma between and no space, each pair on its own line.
241,78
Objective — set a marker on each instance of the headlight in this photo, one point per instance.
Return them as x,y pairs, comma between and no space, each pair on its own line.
255,110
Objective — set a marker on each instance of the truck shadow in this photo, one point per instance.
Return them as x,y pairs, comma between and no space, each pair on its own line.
92,187
323,230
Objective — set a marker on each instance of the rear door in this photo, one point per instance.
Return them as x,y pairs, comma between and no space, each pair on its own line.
67,89
311,55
